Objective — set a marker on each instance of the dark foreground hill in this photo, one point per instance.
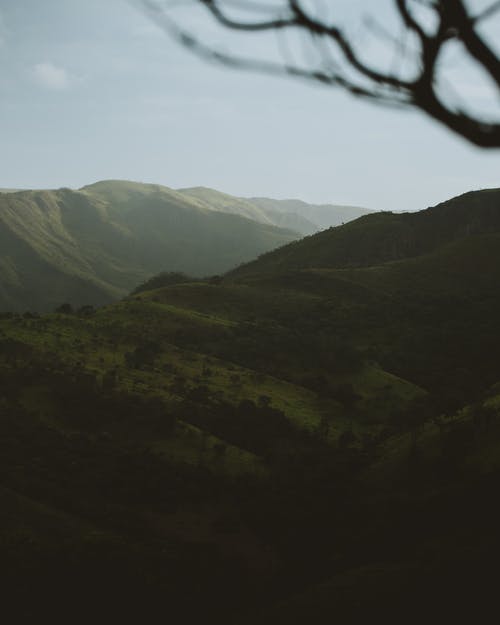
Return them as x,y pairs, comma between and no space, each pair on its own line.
314,445
94,245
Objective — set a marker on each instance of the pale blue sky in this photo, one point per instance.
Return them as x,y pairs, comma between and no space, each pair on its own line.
92,89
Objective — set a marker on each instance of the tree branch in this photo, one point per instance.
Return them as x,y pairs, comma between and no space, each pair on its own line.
351,72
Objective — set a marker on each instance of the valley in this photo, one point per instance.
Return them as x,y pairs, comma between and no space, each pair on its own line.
309,437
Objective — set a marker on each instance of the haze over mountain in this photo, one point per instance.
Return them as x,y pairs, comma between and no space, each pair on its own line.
94,245
322,215
292,214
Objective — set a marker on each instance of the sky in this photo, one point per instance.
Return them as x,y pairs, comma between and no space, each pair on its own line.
93,90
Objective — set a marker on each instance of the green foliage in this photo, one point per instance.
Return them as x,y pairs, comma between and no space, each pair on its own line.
308,443
64,309
162,280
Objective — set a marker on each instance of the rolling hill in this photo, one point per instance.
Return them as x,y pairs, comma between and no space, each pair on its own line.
384,237
94,245
310,438
419,291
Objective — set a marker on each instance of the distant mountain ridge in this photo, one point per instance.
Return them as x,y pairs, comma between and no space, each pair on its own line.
292,214
321,215
94,245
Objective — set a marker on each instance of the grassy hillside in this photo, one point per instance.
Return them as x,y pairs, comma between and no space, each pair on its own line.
200,439
301,441
215,200
384,237
94,245
153,435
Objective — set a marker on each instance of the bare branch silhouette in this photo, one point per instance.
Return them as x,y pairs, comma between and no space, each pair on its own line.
340,62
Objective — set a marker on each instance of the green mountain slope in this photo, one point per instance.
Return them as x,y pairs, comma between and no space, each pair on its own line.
305,444
205,438
94,245
431,319
384,237
268,214
218,201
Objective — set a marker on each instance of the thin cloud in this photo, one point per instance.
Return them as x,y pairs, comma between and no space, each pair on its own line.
50,76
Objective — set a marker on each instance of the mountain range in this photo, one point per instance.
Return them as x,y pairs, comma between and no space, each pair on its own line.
312,437
295,215
94,245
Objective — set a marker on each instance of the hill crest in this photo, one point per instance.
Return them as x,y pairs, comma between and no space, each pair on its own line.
384,237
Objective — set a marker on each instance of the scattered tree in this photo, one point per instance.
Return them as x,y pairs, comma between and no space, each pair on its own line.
65,309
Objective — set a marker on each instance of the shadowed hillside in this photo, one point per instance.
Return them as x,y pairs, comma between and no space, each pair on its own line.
384,237
300,446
